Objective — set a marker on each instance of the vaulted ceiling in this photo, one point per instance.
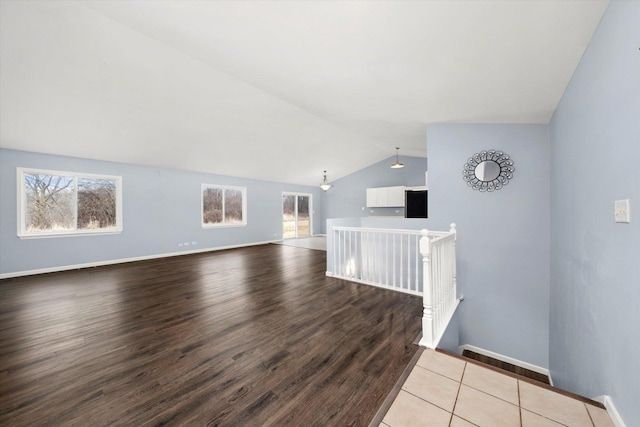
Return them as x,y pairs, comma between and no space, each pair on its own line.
276,90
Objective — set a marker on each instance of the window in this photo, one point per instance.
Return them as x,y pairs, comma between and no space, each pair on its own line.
53,203
223,206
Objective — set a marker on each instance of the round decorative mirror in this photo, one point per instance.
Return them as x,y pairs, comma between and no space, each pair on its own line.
488,170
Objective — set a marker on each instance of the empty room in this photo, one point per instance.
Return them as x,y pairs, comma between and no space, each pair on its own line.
319,213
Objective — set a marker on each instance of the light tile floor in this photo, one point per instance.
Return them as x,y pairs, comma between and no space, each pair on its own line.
445,391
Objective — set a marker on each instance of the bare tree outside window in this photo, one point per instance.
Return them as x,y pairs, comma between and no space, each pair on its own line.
222,205
212,206
96,203
233,206
50,201
53,203
288,216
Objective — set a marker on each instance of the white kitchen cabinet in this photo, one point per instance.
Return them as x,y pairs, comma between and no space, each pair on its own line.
372,197
385,197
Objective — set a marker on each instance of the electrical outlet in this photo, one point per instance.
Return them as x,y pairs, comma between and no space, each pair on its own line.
621,211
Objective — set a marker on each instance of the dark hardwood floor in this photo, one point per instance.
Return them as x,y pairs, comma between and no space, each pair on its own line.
248,337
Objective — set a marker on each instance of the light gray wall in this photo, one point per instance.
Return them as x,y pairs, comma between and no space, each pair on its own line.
347,198
161,208
595,263
450,340
395,223
503,236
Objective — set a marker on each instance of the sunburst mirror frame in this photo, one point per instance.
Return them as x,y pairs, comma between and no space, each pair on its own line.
505,174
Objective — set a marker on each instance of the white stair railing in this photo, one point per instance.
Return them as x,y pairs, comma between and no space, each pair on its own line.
387,258
410,261
440,295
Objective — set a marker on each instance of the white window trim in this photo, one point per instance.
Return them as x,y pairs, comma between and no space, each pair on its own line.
224,187
22,208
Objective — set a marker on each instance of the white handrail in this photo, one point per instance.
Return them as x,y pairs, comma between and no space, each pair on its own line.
389,230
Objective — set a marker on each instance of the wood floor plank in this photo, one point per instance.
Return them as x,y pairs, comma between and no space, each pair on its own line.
252,336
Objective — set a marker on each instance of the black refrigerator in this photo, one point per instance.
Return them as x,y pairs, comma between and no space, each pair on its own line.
415,203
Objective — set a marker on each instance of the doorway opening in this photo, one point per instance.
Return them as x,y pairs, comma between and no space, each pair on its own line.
296,215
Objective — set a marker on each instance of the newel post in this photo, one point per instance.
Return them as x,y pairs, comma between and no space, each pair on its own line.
427,292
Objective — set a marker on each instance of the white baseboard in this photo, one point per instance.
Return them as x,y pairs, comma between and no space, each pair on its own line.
611,410
506,359
123,260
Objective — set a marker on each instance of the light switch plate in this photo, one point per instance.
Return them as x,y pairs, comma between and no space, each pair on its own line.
621,211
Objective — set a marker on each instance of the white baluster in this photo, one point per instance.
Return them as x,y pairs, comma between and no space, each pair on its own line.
339,244
334,268
410,268
393,260
401,263
341,253
377,257
386,259
454,287
416,261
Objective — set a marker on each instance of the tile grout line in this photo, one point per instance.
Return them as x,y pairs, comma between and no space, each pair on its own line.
519,402
458,393
544,415
437,373
424,400
589,414
494,396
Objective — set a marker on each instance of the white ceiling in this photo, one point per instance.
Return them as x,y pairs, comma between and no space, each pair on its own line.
276,90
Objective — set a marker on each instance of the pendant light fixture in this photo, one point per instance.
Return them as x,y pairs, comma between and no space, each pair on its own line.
325,185
397,164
